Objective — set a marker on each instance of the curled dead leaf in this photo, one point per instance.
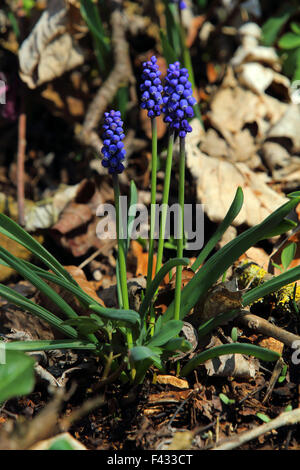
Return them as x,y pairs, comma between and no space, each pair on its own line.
49,50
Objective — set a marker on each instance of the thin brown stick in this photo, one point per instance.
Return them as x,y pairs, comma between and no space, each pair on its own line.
43,426
90,258
121,73
86,408
20,164
268,329
285,419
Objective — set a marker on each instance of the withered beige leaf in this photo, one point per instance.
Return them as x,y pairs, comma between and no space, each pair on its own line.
217,181
49,50
288,127
232,365
234,107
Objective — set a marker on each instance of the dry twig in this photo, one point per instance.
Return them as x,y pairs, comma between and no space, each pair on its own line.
261,325
20,163
285,419
122,72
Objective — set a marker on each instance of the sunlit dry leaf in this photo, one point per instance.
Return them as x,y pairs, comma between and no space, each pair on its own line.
288,127
234,107
217,181
273,344
15,249
275,155
194,27
251,51
72,217
181,440
211,72
168,397
46,212
173,381
142,259
257,255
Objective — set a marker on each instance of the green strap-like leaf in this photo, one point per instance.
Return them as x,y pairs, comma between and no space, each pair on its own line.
232,213
108,313
158,279
270,286
173,33
142,353
288,254
13,231
213,323
220,261
234,348
126,316
27,273
40,312
48,345
92,18
167,332
281,228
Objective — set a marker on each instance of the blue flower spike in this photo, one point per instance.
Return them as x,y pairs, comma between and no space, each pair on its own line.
113,148
178,100
151,88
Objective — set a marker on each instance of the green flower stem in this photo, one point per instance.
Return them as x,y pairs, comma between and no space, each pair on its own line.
180,233
165,200
152,215
121,253
153,200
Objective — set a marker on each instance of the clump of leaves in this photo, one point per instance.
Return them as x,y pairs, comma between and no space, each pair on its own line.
289,41
149,346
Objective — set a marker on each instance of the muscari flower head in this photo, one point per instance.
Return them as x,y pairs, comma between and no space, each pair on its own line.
151,88
113,148
178,99
180,3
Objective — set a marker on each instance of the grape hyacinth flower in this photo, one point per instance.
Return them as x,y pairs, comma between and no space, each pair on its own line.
113,148
181,4
113,154
178,99
151,88
178,108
